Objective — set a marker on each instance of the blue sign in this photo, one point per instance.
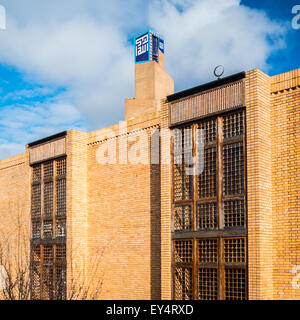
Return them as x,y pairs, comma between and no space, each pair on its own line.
147,46
162,45
142,48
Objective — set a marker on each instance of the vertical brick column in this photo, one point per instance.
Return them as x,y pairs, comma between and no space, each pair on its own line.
77,210
286,183
166,206
260,236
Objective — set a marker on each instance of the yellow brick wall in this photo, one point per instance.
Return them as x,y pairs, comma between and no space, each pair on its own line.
259,185
77,210
273,117
285,135
15,193
124,216
166,205
15,211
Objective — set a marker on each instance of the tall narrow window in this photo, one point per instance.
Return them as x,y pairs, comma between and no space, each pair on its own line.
209,209
48,244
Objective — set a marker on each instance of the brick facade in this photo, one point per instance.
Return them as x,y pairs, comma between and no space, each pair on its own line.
285,137
121,213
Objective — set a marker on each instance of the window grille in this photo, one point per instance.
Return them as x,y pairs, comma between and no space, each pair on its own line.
47,282
48,199
48,229
61,167
234,125
208,251
207,179
36,281
48,170
182,163
209,263
60,227
183,217
36,229
235,284
233,168
207,284
183,251
235,250
36,253
48,258
36,201
234,213
36,173
60,282
61,253
183,283
61,197
209,130
207,215
48,254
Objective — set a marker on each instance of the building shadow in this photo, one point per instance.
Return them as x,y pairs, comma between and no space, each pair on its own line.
155,194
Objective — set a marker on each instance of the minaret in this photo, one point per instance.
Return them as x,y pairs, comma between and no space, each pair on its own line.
152,83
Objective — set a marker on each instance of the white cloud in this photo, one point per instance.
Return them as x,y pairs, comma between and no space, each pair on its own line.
209,33
82,46
22,124
9,149
26,94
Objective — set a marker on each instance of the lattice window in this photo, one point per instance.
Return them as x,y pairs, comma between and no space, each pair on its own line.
208,251
216,265
234,213
209,128
61,253
183,283
60,227
183,217
207,179
183,251
233,168
183,140
48,199
60,282
234,125
36,229
61,167
61,197
208,284
36,253
183,163
47,282
48,275
183,183
36,201
235,250
235,284
48,229
48,170
207,216
36,173
36,282
48,254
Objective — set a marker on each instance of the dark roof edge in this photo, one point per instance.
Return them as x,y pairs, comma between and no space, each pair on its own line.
55,136
206,86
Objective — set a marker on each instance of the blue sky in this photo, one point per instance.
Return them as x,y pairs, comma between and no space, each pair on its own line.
69,64
288,58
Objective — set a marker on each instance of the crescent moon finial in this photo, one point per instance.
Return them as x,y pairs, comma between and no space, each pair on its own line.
219,71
